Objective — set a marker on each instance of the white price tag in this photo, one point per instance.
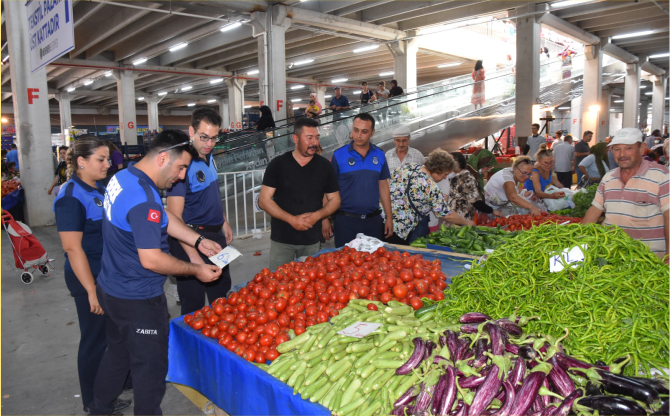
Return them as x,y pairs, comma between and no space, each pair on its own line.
570,256
359,329
225,256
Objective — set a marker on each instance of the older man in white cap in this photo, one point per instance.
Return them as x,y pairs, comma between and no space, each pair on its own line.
635,195
402,154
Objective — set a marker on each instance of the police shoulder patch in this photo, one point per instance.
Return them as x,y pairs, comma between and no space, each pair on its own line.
200,175
352,161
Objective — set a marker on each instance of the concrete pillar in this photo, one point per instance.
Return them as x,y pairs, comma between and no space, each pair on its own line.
527,73
644,112
576,118
235,102
631,96
125,89
223,112
152,101
270,28
604,126
593,59
31,117
658,102
64,100
404,62
320,91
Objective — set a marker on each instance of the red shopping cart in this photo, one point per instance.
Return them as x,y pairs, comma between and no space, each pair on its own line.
29,255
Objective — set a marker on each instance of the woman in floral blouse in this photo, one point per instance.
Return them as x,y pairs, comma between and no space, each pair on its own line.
414,194
465,195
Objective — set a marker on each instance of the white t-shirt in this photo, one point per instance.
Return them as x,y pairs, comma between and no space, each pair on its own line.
591,166
382,94
494,191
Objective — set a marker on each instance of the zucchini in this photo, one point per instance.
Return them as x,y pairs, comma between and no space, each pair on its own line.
407,321
335,403
337,348
409,380
317,353
294,377
399,310
395,335
274,369
330,396
365,359
293,344
387,345
307,345
326,338
340,370
309,391
320,393
387,363
368,370
361,347
326,355
388,355
349,392
381,381
299,382
314,361
346,340
370,410
353,405
340,355
316,372
367,384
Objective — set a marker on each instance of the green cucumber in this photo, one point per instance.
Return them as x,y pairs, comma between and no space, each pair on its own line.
317,353
395,335
340,355
341,370
318,395
388,355
361,347
370,410
347,340
326,355
293,344
353,405
337,348
369,382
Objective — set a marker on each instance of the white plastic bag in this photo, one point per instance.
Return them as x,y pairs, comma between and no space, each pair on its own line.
561,203
529,196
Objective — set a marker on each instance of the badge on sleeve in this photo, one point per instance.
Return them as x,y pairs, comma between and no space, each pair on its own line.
375,160
97,201
200,175
154,216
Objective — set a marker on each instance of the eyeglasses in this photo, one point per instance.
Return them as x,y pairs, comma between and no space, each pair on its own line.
176,146
523,173
205,139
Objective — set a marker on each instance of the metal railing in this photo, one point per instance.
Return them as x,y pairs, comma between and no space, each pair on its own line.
239,196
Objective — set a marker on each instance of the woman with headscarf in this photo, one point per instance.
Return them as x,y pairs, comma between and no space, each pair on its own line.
314,97
466,192
478,89
595,165
266,121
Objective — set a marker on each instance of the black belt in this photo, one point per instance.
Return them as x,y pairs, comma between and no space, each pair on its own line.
359,216
209,228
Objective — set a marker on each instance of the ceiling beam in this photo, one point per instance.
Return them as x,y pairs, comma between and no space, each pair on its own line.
217,40
616,52
659,26
325,6
568,29
396,8
246,6
619,17
343,24
84,10
576,13
357,7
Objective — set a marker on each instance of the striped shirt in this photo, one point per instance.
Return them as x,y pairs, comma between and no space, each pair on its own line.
638,205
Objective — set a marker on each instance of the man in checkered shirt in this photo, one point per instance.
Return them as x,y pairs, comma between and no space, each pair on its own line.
402,154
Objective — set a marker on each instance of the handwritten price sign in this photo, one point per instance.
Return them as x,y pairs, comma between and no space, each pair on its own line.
359,329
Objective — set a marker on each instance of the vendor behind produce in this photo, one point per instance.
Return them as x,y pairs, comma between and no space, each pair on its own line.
415,194
502,190
543,176
635,195
466,187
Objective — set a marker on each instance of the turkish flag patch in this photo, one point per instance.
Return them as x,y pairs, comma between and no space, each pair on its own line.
154,216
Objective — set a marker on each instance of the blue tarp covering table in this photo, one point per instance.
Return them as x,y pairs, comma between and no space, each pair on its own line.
239,387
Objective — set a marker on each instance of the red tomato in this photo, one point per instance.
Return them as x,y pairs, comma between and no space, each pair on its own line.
233,330
260,358
372,307
272,314
272,354
264,294
272,329
249,355
283,320
265,340
438,296
213,319
218,309
343,297
262,318
391,281
382,288
386,297
281,304
197,323
188,319
252,339
241,337
281,338
321,317
406,275
214,332
400,291
310,322
206,331
299,330
416,303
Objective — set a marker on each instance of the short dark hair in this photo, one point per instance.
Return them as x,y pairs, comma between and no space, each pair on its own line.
656,133
460,159
207,114
364,83
366,117
13,146
535,125
394,82
62,148
304,122
169,138
587,132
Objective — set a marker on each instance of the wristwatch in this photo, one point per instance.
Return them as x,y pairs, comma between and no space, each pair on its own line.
198,241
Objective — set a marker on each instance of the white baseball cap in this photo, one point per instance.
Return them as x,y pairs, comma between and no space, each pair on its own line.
401,131
628,135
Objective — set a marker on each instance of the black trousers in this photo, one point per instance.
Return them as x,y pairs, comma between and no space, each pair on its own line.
191,290
92,342
346,228
565,178
137,342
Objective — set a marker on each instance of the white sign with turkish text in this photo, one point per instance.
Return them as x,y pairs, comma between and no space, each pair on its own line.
51,30
571,256
359,329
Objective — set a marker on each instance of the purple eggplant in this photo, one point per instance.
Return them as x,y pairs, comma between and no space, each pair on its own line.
489,389
518,372
415,359
498,338
474,318
457,408
514,349
439,391
510,327
537,405
438,358
626,386
566,405
452,343
527,352
661,386
559,378
480,349
449,394
469,328
664,410
463,411
593,389
443,340
430,346
545,399
425,397
510,392
472,381
527,393
548,411
407,397
400,410
611,405
567,363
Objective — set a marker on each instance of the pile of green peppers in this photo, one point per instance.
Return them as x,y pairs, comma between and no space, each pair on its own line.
466,240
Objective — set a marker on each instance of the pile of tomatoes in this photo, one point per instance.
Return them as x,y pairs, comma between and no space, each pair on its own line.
252,322
524,222
9,186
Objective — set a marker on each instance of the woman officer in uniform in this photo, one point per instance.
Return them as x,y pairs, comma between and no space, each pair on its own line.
78,209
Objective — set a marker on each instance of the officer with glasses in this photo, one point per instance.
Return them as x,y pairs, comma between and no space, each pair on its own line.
503,191
197,200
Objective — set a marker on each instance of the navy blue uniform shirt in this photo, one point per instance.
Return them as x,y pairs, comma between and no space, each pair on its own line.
359,177
133,219
78,207
202,197
339,102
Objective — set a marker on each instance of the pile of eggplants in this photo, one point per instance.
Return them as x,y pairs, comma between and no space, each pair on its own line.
490,367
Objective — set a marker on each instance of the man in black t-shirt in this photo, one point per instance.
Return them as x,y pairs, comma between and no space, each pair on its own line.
294,185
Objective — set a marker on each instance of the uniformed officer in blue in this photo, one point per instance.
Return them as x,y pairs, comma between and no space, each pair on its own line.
197,200
78,209
135,262
363,175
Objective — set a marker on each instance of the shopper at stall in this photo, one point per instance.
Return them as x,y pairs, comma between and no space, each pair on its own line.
13,156
294,185
266,121
610,156
564,154
363,173
133,271
402,154
502,190
582,149
466,196
543,175
61,171
415,194
595,165
654,138
535,141
478,88
197,201
78,210
634,196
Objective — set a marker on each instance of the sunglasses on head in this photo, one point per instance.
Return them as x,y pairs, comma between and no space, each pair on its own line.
526,161
167,149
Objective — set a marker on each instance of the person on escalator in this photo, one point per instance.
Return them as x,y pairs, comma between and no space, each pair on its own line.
338,103
395,89
366,94
478,88
266,121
